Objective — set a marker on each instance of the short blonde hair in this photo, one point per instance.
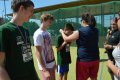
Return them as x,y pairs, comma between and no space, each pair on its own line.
45,17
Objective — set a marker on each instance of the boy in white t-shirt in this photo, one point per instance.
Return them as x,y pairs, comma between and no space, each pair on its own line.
44,50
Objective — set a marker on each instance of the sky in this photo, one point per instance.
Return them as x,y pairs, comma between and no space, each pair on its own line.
38,4
42,3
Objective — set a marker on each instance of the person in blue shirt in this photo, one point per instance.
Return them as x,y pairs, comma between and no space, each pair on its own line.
87,63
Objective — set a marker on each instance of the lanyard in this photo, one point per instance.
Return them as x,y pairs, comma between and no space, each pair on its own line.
24,37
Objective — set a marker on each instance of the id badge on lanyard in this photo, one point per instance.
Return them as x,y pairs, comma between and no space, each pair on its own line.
26,48
26,52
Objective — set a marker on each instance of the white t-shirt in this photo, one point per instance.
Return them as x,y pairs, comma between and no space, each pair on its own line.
43,39
116,55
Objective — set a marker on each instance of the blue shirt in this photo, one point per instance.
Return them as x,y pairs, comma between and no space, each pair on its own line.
87,44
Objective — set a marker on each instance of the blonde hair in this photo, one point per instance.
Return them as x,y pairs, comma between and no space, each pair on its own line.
45,17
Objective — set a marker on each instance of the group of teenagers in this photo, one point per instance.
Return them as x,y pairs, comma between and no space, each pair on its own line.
16,58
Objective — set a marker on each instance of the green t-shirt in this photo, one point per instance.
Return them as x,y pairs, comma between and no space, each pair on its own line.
15,42
63,56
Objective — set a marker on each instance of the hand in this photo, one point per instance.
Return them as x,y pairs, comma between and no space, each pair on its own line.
105,43
106,46
64,43
60,30
44,69
46,74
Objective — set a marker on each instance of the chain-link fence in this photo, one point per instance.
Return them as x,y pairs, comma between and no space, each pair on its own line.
103,12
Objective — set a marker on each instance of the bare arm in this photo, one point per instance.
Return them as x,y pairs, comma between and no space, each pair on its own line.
72,37
112,67
61,46
39,57
3,74
107,46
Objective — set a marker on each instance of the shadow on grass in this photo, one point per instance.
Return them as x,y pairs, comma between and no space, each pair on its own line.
103,60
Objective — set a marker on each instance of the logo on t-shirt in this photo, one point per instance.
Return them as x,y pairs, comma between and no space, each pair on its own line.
19,40
48,51
26,52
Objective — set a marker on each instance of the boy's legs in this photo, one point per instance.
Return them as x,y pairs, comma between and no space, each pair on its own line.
52,73
65,76
60,77
63,71
43,75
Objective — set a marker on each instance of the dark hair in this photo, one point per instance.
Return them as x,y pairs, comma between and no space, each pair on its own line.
69,26
15,5
115,20
46,17
90,19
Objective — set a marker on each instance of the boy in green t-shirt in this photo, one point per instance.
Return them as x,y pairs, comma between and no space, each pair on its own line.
63,53
16,60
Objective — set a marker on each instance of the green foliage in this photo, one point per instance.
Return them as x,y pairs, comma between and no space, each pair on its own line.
102,29
31,26
3,20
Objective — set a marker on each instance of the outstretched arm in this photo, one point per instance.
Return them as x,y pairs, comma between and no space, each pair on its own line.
74,36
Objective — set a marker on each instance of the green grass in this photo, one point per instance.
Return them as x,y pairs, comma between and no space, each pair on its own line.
102,75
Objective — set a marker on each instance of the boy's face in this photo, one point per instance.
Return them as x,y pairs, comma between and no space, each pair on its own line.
48,22
27,13
68,32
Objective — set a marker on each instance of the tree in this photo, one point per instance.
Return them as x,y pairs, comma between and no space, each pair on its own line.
31,26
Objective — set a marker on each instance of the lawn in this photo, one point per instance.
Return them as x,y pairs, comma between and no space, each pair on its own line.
102,75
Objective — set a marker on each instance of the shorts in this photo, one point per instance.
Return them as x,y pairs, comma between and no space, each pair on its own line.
63,69
84,70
